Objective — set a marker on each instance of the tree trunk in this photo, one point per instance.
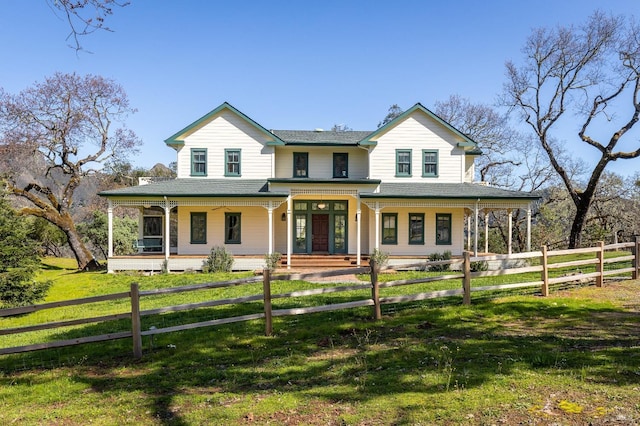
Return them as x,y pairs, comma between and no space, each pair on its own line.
86,261
575,237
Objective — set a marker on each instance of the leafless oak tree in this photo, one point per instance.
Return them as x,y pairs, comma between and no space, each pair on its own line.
587,77
85,16
54,134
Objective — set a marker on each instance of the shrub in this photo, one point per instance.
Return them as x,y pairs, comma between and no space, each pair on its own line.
271,260
434,257
479,266
219,260
17,288
379,257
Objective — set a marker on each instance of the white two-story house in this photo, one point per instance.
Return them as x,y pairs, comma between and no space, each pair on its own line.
406,189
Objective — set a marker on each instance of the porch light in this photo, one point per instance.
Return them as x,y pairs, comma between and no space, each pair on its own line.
322,205
283,217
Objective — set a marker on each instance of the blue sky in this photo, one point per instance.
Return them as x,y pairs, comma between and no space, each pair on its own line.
286,64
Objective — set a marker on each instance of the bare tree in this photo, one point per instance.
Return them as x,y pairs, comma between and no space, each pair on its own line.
508,159
580,73
85,16
55,134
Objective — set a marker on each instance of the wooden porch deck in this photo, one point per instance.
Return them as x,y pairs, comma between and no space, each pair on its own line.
153,262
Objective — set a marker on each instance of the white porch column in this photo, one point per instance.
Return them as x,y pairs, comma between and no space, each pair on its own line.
110,229
510,220
289,225
167,231
529,227
270,220
377,242
469,231
358,233
486,231
475,230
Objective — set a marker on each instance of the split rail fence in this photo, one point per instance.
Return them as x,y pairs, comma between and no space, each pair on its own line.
593,259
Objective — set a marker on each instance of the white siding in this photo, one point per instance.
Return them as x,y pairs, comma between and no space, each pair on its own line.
403,248
418,132
228,131
254,230
470,168
321,161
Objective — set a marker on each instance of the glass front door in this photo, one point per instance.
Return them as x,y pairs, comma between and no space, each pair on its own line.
320,227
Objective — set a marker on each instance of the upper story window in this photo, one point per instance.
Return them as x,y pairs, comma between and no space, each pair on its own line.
300,164
198,162
232,162
340,165
403,162
429,163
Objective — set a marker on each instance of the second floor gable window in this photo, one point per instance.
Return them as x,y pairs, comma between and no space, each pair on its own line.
300,164
232,162
429,163
198,162
403,162
340,165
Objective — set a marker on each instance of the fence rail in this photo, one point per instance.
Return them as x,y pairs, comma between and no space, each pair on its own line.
374,300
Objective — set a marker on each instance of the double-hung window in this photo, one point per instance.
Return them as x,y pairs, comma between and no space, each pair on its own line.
443,228
198,162
198,228
232,162
429,163
232,228
416,228
403,162
300,164
340,165
389,228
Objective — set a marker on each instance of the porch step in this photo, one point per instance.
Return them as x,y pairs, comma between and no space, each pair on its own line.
324,261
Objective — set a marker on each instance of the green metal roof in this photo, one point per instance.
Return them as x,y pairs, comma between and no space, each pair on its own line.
446,190
334,181
320,137
194,187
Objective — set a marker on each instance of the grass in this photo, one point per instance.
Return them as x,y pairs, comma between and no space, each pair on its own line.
571,358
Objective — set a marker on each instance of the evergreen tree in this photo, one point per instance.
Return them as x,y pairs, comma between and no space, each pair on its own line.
19,261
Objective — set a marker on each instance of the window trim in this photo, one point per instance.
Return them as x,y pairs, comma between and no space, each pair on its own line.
195,151
346,164
424,168
440,242
304,155
192,240
226,228
398,172
227,151
395,239
421,242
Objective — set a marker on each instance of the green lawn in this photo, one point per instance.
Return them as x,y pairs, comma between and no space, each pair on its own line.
571,358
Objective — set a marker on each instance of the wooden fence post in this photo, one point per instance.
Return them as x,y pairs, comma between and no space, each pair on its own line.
466,280
266,291
375,290
600,264
636,262
545,271
135,321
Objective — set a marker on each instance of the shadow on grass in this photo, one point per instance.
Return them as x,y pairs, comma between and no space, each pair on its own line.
345,357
